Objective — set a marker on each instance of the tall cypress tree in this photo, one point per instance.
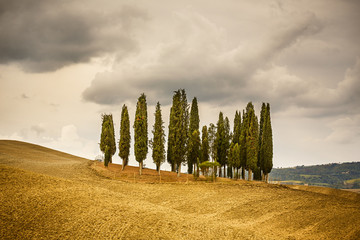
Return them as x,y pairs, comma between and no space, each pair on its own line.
267,145
221,142
125,138
252,140
158,141
234,159
171,135
261,129
107,138
193,151
242,143
212,141
237,128
227,145
178,129
204,150
141,132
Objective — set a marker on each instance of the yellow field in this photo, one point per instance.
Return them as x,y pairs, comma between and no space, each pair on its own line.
45,194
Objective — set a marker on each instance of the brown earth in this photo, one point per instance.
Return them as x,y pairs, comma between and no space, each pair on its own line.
46,194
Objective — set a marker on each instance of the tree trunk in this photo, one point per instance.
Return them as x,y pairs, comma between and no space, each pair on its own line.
213,174
266,177
179,170
249,176
225,171
263,177
243,173
123,165
159,170
140,167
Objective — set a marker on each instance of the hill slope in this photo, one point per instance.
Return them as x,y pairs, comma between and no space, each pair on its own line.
52,195
344,175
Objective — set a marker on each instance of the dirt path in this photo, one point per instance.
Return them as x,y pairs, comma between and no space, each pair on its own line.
52,195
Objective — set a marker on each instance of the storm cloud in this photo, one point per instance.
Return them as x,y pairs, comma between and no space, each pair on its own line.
201,56
44,36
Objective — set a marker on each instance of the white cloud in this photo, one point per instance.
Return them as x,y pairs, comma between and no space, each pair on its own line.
69,141
345,130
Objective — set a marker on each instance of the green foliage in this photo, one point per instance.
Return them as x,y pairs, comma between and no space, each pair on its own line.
194,149
220,140
125,138
262,123
243,143
171,134
141,129
208,164
266,149
107,138
252,138
204,150
234,156
212,141
334,175
178,130
237,128
158,142
194,142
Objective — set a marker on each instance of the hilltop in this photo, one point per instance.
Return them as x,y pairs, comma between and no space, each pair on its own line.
335,175
49,194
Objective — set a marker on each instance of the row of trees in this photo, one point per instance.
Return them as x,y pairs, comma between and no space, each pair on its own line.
249,147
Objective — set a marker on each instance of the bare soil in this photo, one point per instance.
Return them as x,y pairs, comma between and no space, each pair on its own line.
46,194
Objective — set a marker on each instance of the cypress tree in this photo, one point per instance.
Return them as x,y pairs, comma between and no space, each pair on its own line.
107,138
178,129
193,151
171,136
237,128
212,141
267,145
221,142
231,160
158,141
261,129
141,132
125,138
234,159
227,145
204,150
252,140
113,142
242,146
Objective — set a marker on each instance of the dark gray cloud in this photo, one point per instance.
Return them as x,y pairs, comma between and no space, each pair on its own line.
202,63
293,61
44,35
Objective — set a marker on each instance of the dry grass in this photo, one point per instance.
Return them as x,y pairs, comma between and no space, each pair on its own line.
45,194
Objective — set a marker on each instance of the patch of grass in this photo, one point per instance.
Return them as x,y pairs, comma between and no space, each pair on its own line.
309,176
353,181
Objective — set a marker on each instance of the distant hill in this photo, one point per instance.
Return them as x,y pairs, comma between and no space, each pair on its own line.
343,175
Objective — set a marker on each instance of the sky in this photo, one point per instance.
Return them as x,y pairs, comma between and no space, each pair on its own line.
64,63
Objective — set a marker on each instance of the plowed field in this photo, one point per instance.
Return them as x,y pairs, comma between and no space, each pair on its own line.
46,194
